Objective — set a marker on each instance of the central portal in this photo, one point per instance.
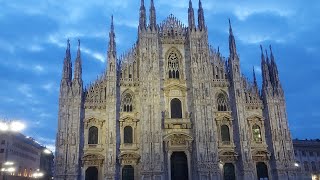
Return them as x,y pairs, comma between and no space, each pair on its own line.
179,166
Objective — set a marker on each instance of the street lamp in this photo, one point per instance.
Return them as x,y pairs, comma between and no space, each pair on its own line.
38,174
47,151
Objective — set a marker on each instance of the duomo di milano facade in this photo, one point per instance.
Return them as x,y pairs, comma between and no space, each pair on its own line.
172,108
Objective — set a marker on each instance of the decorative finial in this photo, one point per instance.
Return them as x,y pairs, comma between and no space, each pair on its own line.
271,54
68,43
112,26
78,53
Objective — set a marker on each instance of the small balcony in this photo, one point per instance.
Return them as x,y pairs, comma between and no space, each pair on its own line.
93,147
181,123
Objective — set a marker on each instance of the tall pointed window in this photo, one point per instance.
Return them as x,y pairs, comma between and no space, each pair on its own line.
173,65
222,102
225,134
176,109
93,135
256,132
128,135
127,103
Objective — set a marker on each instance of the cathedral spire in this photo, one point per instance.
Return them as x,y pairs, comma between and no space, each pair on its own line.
142,16
191,16
254,77
153,19
264,69
78,64
201,23
255,84
274,69
112,42
232,43
67,66
112,51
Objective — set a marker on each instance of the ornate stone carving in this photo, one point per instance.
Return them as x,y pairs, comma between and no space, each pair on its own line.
129,158
92,159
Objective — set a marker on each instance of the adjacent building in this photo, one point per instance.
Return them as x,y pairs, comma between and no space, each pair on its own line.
173,108
23,155
307,153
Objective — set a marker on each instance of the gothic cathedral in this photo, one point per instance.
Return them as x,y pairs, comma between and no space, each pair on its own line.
172,108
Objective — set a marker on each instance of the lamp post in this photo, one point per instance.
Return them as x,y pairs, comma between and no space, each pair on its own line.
7,128
38,174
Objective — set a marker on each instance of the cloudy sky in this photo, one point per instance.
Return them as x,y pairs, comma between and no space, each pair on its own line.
33,38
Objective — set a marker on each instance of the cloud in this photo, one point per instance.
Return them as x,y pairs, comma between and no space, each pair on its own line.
26,90
50,87
35,48
96,55
53,39
38,68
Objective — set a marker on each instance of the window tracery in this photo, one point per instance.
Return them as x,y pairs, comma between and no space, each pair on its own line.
222,102
173,65
127,103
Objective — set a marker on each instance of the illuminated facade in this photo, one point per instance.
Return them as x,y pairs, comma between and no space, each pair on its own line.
173,108
22,151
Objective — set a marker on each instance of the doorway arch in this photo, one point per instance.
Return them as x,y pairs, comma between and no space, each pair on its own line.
229,172
262,171
127,172
179,166
91,173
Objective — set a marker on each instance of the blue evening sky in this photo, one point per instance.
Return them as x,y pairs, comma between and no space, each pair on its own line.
33,35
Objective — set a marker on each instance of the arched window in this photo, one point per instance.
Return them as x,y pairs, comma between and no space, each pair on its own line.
256,132
225,134
93,135
128,135
173,65
127,103
228,172
176,109
222,103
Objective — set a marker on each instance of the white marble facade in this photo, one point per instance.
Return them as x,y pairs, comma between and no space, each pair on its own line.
172,108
